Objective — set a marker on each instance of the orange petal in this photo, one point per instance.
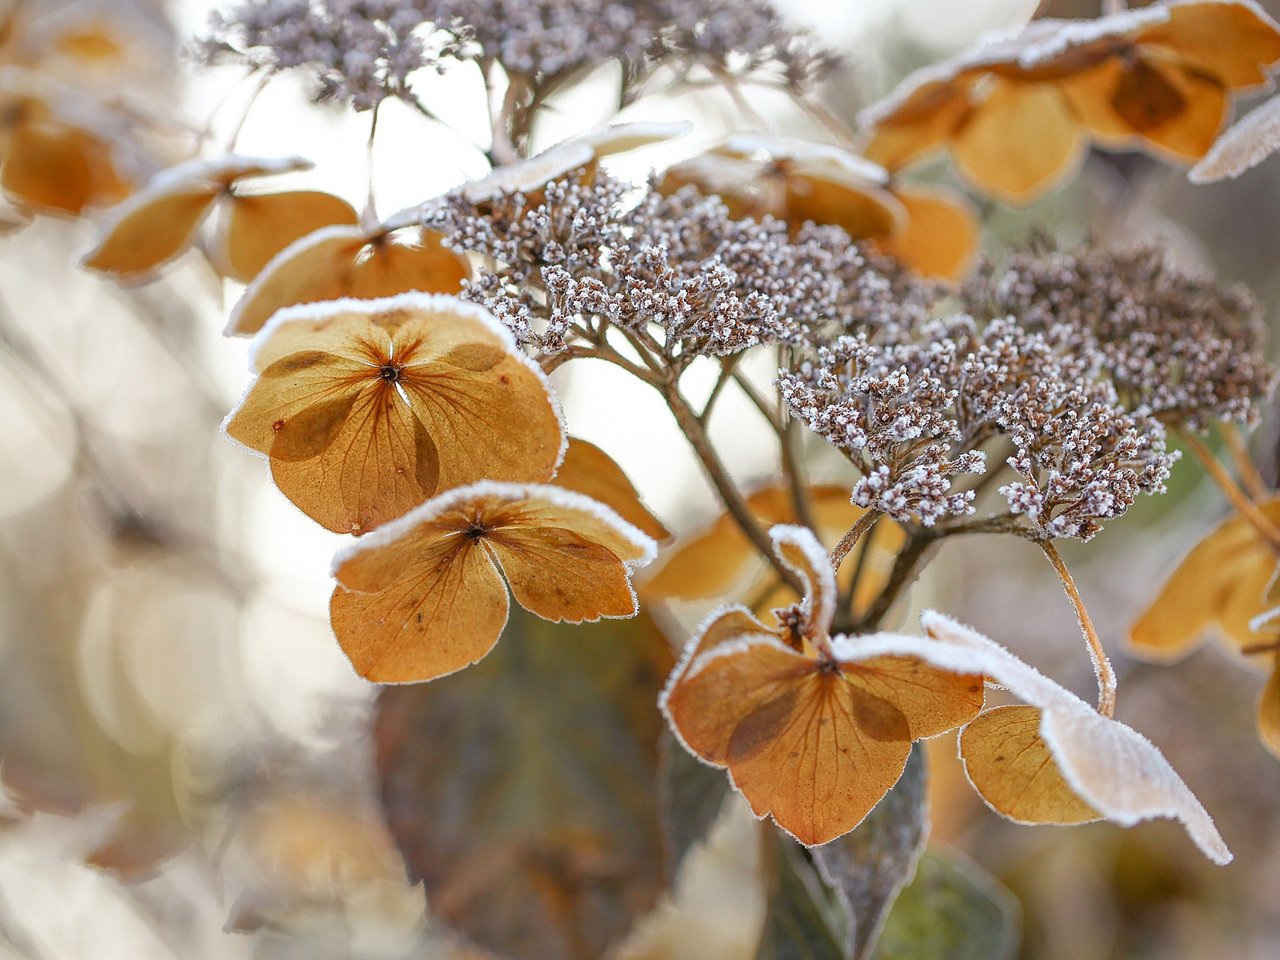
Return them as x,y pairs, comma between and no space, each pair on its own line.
1187,134
50,167
560,575
1221,582
932,701
337,262
1269,711
421,597
150,228
923,123
711,563
863,212
1011,766
1020,143
939,237
444,613
1228,41
354,449
800,743
259,227
1091,92
590,471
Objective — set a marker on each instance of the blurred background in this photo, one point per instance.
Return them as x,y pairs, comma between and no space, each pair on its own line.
185,754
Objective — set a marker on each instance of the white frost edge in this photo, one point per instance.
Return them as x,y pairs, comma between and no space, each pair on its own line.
803,539
798,149
276,263
412,300
962,649
1261,124
1028,46
393,530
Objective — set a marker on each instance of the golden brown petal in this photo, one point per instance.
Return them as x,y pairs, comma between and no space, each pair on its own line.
445,615
1020,142
397,399
1011,766
801,744
590,471
258,227
939,237
1220,582
1228,41
337,262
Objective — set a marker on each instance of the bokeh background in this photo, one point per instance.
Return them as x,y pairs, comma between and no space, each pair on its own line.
186,753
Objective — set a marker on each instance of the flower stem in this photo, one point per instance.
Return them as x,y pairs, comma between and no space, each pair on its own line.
1101,665
850,539
715,470
1239,450
1244,506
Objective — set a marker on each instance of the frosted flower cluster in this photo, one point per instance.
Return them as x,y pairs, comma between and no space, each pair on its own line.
587,251
914,415
364,50
1183,348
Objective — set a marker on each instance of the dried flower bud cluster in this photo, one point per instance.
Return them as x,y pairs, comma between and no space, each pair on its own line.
360,51
586,251
891,406
1185,349
364,50
912,415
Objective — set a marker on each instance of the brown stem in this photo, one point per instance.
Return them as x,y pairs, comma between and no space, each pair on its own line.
904,572
1101,665
1243,460
847,542
732,498
1272,646
1244,506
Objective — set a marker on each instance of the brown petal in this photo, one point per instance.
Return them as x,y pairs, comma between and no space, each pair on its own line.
940,235
445,616
560,575
1228,41
928,119
1188,134
590,471
1020,143
1220,582
932,700
801,744
259,227
150,229
354,450
1010,765
337,262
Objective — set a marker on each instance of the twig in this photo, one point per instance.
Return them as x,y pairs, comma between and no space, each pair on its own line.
1245,466
1244,506
1101,665
850,539
732,498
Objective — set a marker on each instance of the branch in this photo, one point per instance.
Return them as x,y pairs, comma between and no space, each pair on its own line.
1101,665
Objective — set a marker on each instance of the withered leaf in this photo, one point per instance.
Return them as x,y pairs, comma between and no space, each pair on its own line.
953,909
524,792
805,919
870,865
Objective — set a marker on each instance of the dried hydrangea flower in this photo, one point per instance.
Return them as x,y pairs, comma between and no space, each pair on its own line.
362,51
1183,348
